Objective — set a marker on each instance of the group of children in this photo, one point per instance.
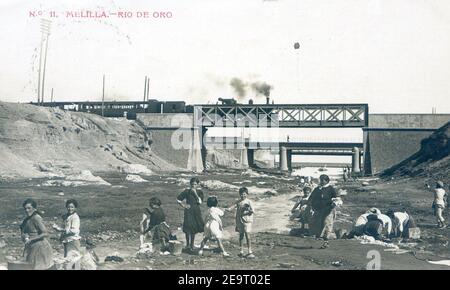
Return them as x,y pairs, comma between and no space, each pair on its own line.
153,220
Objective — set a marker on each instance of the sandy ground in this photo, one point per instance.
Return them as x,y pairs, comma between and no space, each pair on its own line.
110,216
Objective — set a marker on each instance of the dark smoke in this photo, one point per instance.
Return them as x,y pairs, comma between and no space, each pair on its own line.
262,88
239,87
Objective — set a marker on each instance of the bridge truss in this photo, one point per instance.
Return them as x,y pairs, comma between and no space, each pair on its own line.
282,115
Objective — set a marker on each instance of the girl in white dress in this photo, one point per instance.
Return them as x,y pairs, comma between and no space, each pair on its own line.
213,225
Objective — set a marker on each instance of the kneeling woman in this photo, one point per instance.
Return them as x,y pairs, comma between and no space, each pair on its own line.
70,233
38,251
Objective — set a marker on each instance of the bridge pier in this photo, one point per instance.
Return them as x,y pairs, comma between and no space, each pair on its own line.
251,157
356,160
203,150
195,160
283,159
244,157
174,139
289,159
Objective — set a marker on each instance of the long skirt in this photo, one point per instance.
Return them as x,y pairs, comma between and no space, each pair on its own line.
40,255
193,221
71,246
161,232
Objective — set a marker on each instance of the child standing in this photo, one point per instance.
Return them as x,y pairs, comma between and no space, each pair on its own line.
154,220
213,225
244,221
439,203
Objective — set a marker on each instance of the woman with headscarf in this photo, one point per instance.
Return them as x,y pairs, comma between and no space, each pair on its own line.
361,221
402,223
38,251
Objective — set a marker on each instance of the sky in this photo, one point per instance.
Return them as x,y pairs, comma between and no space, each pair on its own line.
392,54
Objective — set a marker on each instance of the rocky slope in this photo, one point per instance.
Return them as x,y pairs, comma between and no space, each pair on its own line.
432,161
41,142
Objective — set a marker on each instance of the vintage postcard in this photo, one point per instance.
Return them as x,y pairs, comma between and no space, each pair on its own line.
224,135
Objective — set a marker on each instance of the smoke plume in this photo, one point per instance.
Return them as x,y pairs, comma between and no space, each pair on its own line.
239,87
261,88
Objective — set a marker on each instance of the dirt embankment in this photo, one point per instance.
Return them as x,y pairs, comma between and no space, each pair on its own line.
41,142
431,162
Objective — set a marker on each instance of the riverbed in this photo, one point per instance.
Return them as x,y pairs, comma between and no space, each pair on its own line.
110,215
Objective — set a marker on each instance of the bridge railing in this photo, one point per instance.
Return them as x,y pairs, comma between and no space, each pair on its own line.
282,115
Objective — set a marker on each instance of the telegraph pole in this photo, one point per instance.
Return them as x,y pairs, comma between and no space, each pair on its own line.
148,86
145,88
45,29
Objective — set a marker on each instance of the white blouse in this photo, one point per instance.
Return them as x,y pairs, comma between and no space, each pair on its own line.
72,226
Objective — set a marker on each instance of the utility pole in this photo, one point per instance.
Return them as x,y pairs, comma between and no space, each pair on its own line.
51,97
103,97
45,29
145,88
148,86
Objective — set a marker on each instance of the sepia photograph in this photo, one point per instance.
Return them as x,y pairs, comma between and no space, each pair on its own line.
258,135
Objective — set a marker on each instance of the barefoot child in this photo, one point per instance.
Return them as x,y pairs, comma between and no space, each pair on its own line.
439,203
213,225
244,221
302,209
154,221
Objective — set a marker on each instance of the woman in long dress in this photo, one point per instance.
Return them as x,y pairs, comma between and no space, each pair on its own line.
193,221
38,251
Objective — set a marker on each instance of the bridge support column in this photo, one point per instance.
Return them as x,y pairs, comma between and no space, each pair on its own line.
244,157
289,159
283,159
251,157
195,160
356,160
203,150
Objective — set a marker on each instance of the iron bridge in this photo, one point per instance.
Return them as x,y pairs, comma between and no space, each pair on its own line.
282,115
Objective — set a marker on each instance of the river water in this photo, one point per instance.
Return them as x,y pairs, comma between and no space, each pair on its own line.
332,172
